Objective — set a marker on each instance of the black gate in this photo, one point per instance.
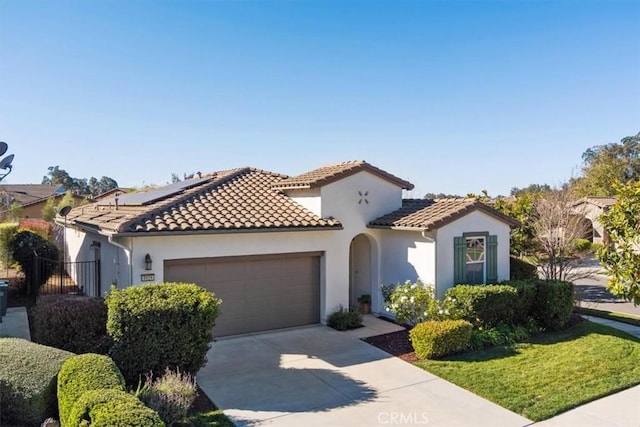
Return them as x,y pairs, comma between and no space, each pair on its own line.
81,277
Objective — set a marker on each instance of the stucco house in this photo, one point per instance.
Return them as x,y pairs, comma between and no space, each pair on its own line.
590,208
286,251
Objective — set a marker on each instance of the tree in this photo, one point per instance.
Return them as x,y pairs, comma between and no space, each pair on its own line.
604,165
79,186
530,189
14,214
621,257
556,227
48,210
67,200
523,208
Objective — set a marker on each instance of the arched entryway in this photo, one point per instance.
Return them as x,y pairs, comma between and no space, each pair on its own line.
360,268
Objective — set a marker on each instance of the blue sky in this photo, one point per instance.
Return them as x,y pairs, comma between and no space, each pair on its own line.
455,96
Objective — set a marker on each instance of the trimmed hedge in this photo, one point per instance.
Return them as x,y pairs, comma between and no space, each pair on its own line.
111,408
28,373
83,373
437,338
554,303
344,319
160,326
527,292
521,269
483,305
7,231
71,322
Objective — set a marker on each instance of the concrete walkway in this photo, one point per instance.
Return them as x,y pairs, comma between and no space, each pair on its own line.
15,324
316,376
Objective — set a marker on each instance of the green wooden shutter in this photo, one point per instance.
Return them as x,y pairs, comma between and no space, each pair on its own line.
459,261
492,259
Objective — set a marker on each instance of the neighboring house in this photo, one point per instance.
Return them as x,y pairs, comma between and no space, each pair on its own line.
30,197
590,208
111,193
286,251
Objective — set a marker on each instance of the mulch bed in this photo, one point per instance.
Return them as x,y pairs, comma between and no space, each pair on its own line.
396,344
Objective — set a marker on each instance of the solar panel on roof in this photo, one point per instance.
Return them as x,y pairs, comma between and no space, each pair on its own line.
151,196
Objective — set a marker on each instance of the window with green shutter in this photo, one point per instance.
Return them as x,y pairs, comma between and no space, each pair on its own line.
475,259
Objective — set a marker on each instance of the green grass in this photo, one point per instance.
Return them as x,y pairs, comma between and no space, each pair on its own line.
549,374
610,315
207,419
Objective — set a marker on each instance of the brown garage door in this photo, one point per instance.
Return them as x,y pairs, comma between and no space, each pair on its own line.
258,292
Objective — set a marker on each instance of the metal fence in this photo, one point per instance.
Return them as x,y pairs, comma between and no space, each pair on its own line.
59,277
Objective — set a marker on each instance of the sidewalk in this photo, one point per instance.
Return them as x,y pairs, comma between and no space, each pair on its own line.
15,324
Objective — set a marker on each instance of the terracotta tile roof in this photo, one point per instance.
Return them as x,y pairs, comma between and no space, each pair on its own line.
334,172
431,214
238,199
601,202
28,193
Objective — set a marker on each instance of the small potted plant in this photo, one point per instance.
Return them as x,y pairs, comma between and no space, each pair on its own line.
365,303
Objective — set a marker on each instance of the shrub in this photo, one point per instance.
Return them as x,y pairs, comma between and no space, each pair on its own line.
521,269
28,374
344,319
170,396
500,335
71,322
527,291
7,232
111,407
486,306
24,245
160,326
437,338
41,227
581,245
554,303
83,373
386,291
412,303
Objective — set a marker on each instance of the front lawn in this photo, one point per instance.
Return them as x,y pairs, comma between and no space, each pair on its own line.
549,374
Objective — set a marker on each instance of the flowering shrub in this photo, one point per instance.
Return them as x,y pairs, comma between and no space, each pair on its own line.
170,395
413,303
41,227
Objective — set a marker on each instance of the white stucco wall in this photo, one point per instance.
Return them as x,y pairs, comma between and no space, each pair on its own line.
309,198
592,212
474,222
114,264
406,255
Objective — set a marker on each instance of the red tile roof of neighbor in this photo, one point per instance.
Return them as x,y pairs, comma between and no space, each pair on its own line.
334,172
233,200
431,214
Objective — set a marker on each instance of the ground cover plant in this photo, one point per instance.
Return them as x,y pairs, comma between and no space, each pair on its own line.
550,373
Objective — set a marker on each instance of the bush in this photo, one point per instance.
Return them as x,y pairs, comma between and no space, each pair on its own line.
344,319
412,303
485,306
554,303
500,335
7,231
111,407
83,373
527,291
170,396
160,326
439,338
41,227
71,322
28,373
24,245
581,245
521,269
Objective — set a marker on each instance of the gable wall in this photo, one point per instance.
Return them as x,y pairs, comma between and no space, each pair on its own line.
474,222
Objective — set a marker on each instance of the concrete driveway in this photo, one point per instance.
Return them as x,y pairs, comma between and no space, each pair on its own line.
315,376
